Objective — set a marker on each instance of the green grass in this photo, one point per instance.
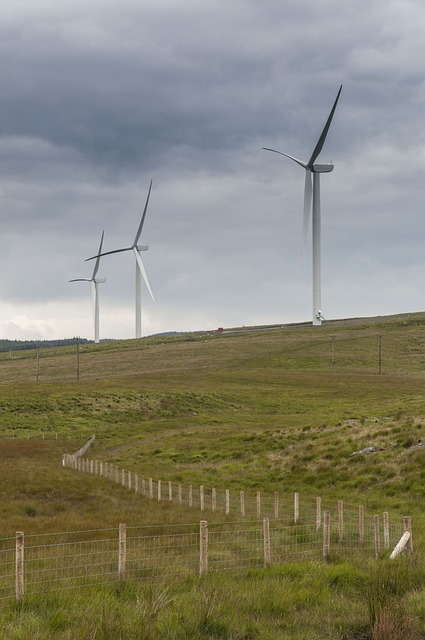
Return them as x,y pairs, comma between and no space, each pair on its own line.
258,410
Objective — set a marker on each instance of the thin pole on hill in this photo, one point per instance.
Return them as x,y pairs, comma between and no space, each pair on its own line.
37,363
380,354
78,360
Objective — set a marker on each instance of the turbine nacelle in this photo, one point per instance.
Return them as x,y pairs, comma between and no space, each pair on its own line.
99,280
142,247
322,168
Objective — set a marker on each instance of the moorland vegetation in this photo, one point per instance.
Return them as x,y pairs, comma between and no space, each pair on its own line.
271,409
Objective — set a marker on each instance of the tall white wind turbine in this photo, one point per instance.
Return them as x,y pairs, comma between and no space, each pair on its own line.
140,269
312,203
95,293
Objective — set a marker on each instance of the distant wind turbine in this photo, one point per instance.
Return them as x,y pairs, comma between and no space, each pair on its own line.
140,269
95,294
312,202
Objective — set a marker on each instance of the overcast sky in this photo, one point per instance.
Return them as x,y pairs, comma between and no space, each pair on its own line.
98,98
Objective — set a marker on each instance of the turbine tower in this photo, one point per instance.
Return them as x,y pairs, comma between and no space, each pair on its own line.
312,203
140,269
95,293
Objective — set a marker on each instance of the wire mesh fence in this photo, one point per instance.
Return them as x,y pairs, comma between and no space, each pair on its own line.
41,564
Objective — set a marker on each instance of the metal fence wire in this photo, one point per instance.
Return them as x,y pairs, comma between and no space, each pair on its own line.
38,564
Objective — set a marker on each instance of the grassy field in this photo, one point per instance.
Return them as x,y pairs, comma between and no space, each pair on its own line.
273,409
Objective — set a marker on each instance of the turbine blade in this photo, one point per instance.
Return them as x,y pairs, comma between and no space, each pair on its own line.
142,271
308,194
80,280
321,141
300,162
108,253
96,265
139,230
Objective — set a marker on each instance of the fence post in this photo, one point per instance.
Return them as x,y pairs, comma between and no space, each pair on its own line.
151,488
296,506
203,547
318,513
122,551
407,524
276,504
170,491
129,479
20,550
386,530
123,477
190,495
266,538
136,483
326,534
213,499
101,468
361,524
242,496
227,502
159,487
180,494
340,521
258,504
201,498
377,538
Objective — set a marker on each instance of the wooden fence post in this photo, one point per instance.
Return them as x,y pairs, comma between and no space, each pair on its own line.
123,477
386,530
266,539
122,551
227,502
407,525
159,487
136,483
340,521
377,537
170,491
326,534
213,499
318,513
190,495
129,479
151,488
201,498
296,507
361,524
276,504
258,504
242,496
180,493
203,547
20,551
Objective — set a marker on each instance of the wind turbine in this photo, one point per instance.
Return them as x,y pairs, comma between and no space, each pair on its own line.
140,269
312,203
95,294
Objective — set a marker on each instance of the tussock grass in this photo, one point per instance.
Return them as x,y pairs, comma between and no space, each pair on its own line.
254,410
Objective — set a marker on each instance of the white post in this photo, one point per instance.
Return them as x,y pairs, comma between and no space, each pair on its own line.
203,547
122,551
296,507
242,496
266,538
227,502
20,550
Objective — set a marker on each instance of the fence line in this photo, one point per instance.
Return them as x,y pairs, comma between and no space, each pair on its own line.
45,563
292,508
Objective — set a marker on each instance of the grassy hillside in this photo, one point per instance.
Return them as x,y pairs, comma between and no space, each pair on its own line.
275,409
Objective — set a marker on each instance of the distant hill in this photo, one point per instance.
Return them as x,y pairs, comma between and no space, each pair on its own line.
24,345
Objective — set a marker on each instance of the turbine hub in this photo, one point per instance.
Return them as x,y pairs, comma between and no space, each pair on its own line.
322,168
